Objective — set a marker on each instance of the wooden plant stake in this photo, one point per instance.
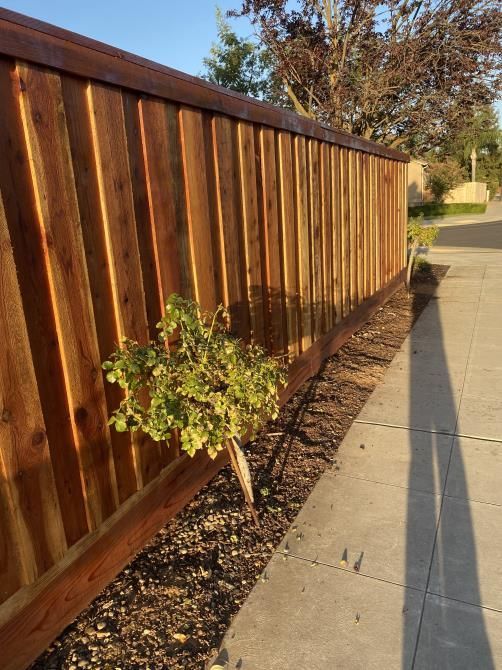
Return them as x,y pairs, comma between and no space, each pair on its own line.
241,469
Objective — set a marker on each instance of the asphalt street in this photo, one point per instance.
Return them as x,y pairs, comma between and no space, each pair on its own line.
478,235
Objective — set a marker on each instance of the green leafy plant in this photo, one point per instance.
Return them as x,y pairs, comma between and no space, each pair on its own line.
207,384
419,235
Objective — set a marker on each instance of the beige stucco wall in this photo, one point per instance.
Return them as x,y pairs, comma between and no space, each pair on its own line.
467,192
416,182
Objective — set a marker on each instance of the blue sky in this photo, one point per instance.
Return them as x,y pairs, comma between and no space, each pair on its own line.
176,33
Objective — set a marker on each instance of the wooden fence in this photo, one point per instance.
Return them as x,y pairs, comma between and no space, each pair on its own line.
122,181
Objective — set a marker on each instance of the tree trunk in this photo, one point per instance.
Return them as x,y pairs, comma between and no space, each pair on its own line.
240,467
411,261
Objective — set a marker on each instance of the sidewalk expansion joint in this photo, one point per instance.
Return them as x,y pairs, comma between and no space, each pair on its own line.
315,561
431,431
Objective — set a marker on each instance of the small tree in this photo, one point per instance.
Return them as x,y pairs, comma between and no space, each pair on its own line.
243,65
207,385
418,236
442,177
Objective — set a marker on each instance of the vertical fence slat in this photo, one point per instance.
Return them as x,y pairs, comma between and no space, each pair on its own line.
145,232
288,241
359,260
32,534
229,210
164,173
327,237
86,182
316,267
251,230
303,241
337,233
271,247
117,211
50,158
20,210
198,207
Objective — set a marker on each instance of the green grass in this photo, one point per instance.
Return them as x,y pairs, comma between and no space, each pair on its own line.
432,209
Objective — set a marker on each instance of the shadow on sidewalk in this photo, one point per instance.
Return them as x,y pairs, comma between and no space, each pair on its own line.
455,639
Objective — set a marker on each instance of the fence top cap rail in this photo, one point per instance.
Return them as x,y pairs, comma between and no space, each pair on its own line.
33,40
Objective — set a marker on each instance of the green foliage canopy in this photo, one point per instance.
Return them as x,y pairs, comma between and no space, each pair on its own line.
207,383
243,65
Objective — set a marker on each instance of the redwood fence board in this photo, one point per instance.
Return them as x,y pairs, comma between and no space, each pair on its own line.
122,181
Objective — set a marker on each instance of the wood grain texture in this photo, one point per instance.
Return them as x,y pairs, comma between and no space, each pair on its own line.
59,219
316,241
107,328
200,233
32,535
230,224
166,195
248,160
287,241
336,204
271,248
120,232
327,238
303,241
32,617
26,238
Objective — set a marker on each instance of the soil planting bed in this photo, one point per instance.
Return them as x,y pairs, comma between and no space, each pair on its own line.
172,605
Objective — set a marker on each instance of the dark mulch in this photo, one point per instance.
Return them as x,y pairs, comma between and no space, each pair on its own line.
172,605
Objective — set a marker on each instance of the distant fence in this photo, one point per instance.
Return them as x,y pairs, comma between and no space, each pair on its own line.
122,181
469,191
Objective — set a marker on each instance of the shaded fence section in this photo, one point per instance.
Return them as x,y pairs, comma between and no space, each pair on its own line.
122,181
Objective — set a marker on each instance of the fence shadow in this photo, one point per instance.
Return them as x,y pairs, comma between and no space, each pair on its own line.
446,633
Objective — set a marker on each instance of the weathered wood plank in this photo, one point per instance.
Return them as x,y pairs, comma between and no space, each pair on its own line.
337,232
198,207
166,196
118,216
26,239
32,535
288,242
271,261
303,241
316,241
327,237
230,226
251,230
58,216
147,241
86,183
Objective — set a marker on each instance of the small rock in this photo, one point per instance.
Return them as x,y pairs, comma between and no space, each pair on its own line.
101,625
89,630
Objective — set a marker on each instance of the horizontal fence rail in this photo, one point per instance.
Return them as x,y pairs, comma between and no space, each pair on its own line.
122,181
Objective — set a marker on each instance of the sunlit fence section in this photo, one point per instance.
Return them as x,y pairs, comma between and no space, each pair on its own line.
122,181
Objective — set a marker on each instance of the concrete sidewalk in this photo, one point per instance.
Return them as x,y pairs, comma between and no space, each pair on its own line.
415,509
